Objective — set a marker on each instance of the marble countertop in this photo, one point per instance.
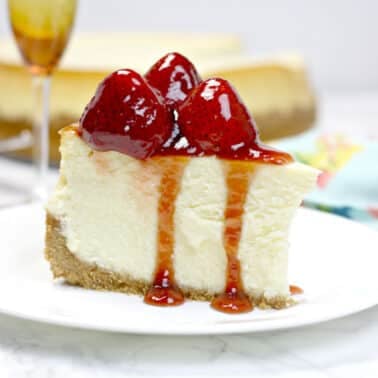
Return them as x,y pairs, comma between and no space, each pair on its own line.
341,348
338,349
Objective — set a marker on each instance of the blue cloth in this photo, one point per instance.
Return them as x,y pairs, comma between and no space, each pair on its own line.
349,186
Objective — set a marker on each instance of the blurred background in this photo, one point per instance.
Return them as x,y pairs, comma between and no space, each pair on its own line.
337,38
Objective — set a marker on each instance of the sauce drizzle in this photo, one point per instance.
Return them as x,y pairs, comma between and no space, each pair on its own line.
295,290
233,299
164,290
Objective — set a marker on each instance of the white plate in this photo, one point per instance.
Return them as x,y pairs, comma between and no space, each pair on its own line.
333,259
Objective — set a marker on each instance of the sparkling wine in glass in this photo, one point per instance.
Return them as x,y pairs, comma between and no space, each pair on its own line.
42,29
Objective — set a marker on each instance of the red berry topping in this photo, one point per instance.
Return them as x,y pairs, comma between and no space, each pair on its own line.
174,76
126,115
214,119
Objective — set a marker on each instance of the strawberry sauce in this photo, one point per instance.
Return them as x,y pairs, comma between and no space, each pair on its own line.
164,291
295,290
238,176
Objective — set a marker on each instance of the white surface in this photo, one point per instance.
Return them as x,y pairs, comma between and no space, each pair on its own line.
345,348
336,266
336,37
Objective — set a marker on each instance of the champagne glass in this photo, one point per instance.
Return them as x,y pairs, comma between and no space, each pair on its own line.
41,29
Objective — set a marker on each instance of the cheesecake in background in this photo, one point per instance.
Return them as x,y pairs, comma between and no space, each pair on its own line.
276,89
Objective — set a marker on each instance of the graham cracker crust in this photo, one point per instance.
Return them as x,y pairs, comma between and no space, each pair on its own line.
271,125
64,264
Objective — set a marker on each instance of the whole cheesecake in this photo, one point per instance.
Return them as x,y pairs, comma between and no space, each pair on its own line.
166,191
275,88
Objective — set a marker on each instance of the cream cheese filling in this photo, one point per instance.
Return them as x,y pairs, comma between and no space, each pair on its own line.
107,205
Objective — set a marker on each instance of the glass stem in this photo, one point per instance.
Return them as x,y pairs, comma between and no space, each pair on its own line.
41,88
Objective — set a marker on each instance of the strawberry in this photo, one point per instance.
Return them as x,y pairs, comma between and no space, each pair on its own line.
174,76
126,115
214,119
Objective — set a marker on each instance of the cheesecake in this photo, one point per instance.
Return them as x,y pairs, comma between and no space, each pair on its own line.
166,191
276,89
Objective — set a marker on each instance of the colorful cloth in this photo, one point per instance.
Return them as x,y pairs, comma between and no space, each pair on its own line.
348,185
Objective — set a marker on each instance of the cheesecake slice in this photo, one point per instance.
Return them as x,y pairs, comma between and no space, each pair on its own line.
275,88
165,191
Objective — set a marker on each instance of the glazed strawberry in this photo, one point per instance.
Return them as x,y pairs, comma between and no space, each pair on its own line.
126,115
174,76
214,119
